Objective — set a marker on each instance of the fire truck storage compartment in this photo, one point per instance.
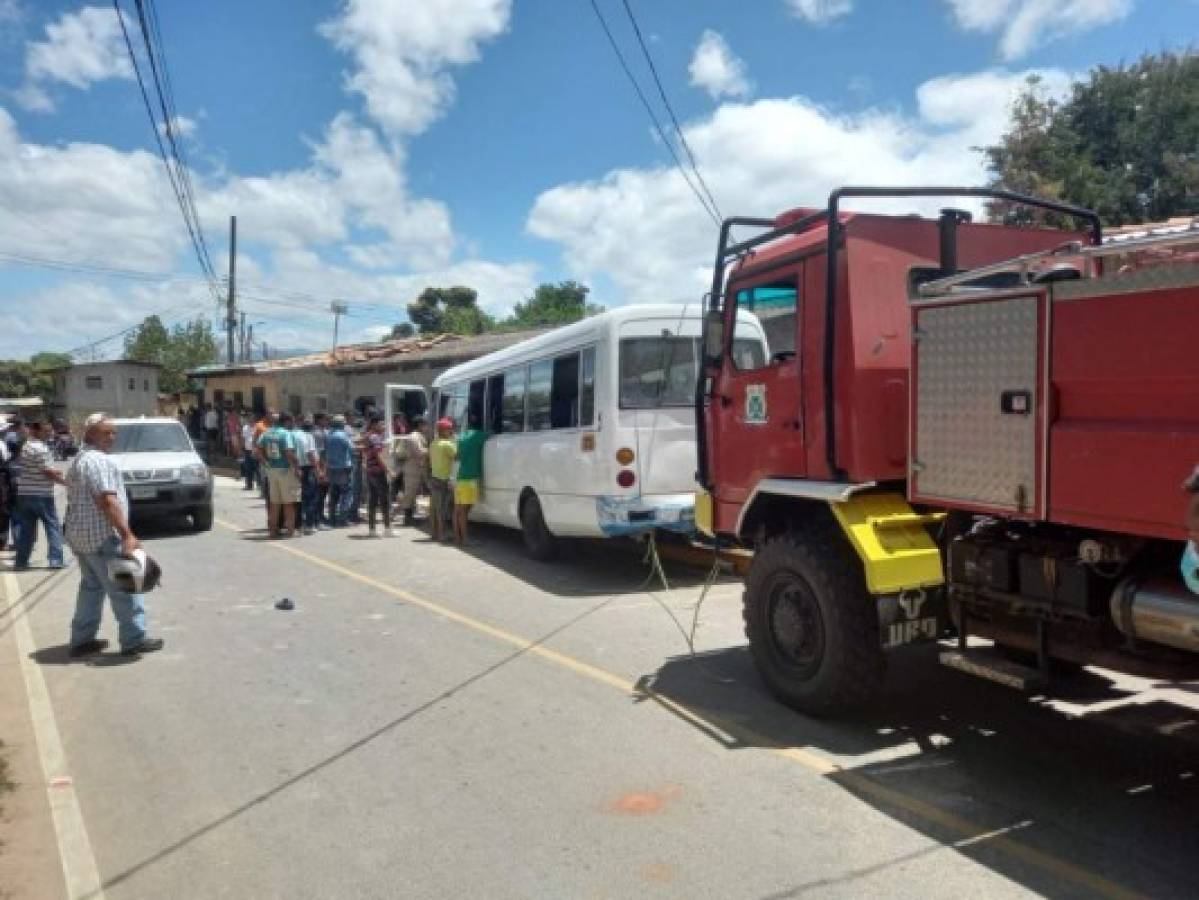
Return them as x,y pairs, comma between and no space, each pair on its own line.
1124,431
977,403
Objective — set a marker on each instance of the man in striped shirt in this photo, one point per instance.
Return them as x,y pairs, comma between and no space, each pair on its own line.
97,527
35,500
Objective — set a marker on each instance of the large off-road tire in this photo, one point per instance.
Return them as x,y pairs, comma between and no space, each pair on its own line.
540,543
202,518
812,627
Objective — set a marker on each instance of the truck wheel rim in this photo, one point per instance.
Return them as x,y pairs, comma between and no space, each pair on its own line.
795,626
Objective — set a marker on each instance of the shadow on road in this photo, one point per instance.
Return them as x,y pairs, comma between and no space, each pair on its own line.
585,567
1065,806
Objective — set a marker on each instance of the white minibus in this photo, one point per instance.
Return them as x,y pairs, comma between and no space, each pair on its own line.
591,427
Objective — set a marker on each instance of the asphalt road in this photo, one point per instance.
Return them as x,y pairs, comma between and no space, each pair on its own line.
429,722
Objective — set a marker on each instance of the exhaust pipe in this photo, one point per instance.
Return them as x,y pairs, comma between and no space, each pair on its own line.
1159,612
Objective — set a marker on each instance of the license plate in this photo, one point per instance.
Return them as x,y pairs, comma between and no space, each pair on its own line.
142,493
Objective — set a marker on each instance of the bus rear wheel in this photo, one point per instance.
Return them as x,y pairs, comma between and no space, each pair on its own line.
539,542
812,626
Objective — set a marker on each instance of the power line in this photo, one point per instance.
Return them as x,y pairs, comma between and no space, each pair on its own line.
88,268
171,175
669,109
166,99
653,116
124,331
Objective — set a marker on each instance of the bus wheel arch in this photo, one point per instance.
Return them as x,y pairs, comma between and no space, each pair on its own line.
540,542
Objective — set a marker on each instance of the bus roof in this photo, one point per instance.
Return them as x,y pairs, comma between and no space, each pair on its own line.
567,337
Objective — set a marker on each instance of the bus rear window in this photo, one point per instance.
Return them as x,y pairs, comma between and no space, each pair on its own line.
657,371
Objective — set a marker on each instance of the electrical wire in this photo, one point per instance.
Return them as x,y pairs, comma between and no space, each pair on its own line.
166,100
171,175
669,109
88,268
713,213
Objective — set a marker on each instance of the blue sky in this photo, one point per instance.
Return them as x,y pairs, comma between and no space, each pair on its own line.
372,147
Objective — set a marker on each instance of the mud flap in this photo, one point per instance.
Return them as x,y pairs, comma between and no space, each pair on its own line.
902,564
913,616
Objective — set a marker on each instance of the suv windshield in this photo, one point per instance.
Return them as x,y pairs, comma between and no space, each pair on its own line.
151,437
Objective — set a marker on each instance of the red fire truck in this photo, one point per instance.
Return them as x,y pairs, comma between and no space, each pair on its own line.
960,428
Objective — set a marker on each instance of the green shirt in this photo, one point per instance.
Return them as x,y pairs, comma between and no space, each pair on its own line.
274,444
441,457
470,455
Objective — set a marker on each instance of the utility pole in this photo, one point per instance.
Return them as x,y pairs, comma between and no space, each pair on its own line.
338,309
250,344
241,338
230,313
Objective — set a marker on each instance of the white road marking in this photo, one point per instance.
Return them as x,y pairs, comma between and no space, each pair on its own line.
74,849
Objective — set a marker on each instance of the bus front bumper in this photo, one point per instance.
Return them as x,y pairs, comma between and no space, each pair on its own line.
636,515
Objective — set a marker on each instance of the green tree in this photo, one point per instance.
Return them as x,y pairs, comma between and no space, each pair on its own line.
1124,143
452,310
402,331
19,378
554,304
184,347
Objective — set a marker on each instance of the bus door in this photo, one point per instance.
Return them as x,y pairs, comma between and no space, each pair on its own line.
756,410
408,400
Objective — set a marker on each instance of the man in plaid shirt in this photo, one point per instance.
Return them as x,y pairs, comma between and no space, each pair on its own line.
97,528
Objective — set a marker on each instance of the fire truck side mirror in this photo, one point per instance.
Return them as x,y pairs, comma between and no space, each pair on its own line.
713,337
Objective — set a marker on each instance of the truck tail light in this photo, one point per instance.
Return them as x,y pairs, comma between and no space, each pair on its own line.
625,456
625,478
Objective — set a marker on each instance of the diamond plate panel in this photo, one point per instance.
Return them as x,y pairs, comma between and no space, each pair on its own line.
966,448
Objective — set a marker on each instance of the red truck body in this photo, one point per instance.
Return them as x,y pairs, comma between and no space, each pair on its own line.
987,421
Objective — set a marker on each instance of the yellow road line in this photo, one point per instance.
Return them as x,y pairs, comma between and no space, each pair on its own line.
79,870
971,833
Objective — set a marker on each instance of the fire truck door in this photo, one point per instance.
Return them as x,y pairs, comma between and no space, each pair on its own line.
759,428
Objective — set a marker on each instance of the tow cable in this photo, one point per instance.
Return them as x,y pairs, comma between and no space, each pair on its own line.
654,560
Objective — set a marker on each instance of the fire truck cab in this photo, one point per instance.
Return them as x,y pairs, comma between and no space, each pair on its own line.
959,427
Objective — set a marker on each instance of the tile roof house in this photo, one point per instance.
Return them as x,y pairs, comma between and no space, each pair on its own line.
351,376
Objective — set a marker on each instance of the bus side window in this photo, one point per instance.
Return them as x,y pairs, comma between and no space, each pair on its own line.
474,402
587,387
494,419
564,392
541,376
513,405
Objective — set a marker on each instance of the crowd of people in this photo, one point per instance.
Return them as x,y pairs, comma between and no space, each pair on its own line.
316,473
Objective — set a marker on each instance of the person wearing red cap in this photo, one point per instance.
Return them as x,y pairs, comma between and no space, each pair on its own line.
442,452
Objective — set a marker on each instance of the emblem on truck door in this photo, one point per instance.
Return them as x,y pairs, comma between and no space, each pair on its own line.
755,404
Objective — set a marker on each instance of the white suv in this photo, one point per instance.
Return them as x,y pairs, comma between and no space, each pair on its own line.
163,472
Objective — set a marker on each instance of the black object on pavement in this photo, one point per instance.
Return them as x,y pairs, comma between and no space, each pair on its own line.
285,604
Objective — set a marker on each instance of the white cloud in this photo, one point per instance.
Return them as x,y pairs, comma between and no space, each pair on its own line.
181,125
1024,25
402,49
643,229
820,12
716,69
345,224
80,48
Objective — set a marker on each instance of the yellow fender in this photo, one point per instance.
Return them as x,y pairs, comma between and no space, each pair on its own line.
889,537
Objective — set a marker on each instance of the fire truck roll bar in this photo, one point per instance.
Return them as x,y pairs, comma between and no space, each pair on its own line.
830,215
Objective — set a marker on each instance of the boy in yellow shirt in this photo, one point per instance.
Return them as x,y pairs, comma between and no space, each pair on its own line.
442,452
